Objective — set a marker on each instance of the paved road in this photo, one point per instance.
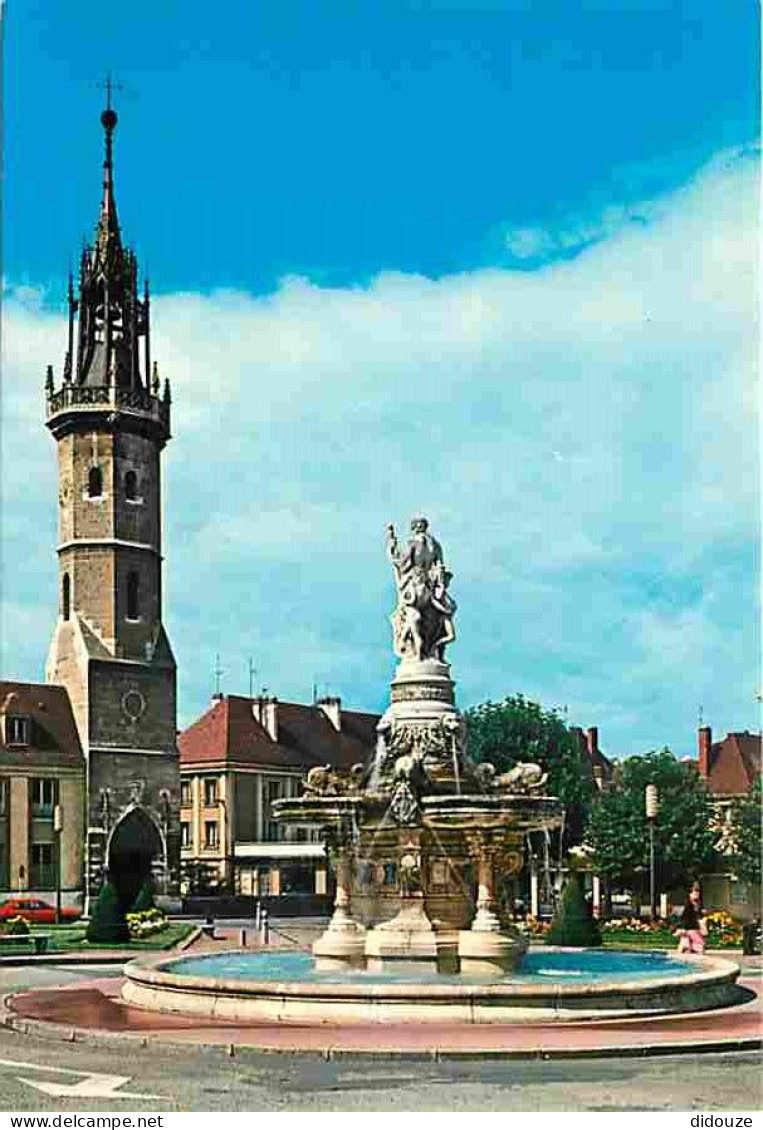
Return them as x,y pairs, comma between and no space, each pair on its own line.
192,1079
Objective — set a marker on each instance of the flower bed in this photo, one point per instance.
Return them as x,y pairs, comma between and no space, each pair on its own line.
723,931
145,923
16,927
534,928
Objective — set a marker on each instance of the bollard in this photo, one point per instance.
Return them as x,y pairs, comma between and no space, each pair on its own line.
242,939
264,928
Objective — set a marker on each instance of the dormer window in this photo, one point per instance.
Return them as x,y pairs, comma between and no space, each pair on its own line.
17,730
94,483
131,486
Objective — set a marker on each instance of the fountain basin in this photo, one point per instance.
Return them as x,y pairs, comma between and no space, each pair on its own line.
553,984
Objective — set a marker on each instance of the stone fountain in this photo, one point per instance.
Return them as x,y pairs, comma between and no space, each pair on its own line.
411,833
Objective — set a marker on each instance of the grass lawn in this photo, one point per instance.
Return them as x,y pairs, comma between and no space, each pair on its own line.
71,939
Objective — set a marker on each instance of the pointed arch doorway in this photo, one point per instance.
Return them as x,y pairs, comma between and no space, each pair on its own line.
136,852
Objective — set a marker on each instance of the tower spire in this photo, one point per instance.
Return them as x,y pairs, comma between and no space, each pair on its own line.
108,224
112,318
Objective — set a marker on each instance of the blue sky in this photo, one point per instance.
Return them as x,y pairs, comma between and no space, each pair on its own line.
496,262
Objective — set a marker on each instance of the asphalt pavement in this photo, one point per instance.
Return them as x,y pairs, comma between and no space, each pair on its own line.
44,1075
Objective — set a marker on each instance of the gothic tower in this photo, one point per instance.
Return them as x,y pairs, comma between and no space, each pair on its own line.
111,421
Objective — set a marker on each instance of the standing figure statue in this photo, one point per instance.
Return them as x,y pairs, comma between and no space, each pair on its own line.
422,623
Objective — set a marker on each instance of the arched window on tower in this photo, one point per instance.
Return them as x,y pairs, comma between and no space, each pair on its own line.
94,483
132,596
66,592
131,486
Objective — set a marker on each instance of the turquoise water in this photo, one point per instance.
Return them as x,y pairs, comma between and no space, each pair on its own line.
537,967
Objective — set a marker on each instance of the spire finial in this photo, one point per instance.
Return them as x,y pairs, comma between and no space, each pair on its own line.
109,121
109,117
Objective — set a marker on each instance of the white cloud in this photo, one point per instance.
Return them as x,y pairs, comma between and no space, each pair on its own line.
583,438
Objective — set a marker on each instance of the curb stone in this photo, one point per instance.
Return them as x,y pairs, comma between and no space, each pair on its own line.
66,1034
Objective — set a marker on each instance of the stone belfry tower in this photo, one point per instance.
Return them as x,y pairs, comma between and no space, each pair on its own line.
111,420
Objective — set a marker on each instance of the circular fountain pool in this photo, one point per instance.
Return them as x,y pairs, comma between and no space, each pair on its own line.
551,984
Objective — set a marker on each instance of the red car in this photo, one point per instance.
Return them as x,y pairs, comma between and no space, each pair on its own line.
34,910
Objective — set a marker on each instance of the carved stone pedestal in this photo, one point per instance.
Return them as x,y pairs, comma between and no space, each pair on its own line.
486,949
486,953
407,940
343,942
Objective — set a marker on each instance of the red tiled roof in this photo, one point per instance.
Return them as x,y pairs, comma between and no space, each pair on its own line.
53,739
735,764
230,733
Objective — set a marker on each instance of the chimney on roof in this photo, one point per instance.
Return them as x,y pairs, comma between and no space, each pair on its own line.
265,711
592,742
332,708
704,742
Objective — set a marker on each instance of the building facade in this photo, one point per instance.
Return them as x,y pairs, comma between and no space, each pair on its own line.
729,768
111,420
42,794
235,761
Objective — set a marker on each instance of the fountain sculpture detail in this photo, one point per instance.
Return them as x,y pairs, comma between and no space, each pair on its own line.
410,832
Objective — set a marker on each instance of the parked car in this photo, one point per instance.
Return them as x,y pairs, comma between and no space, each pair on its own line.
34,910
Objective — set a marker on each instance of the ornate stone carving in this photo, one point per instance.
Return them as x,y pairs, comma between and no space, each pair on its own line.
409,873
422,623
526,777
137,790
417,692
421,751
133,704
404,806
322,780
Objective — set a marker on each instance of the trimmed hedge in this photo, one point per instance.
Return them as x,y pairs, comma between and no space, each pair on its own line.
144,900
108,922
573,923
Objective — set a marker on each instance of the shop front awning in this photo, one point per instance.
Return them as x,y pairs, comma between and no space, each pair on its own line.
264,852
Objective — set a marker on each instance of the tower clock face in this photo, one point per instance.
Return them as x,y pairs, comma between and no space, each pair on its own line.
133,704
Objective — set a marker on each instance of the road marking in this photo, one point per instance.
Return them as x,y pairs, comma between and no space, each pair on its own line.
92,1085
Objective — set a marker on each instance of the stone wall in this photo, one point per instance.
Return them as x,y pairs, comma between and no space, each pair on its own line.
132,706
92,576
127,780
67,665
137,519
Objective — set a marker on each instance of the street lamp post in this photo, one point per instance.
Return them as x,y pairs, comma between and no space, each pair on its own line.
58,826
652,806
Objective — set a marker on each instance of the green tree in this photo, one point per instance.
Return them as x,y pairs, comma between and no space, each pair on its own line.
144,899
573,923
108,923
517,729
746,834
618,830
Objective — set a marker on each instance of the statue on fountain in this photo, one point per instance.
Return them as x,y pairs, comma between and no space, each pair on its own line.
422,623
421,814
